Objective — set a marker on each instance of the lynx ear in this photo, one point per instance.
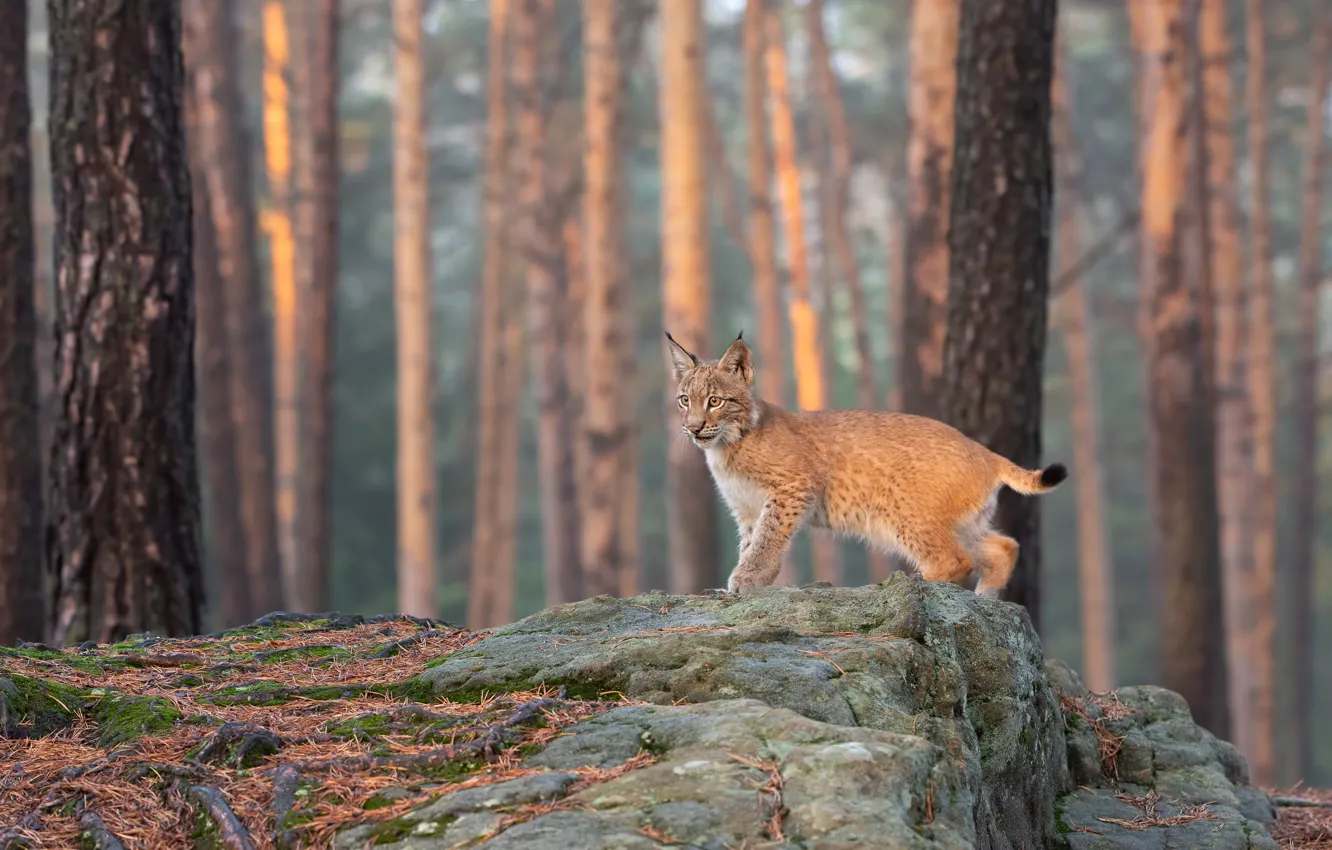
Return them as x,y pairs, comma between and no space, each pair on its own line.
737,359
681,359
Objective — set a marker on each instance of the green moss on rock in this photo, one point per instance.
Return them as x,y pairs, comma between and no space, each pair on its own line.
123,719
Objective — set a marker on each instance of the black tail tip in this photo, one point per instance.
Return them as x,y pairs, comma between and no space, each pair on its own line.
1053,475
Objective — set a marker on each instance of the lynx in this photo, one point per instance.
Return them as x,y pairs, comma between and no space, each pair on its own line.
902,483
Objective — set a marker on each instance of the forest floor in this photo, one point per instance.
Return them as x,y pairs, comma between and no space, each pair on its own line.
1305,827
282,731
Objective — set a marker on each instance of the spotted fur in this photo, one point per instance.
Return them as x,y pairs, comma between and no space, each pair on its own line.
905,484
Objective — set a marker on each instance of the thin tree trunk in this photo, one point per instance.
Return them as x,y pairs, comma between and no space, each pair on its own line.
20,417
489,574
839,140
897,272
559,514
762,235
122,538
417,579
762,239
1181,412
1306,417
224,151
1073,320
686,282
319,295
1250,677
604,424
999,247
933,89
282,247
224,531
811,389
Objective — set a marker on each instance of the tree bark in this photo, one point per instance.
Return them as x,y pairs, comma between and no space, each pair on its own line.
20,413
999,247
605,427
224,530
762,227
417,579
1184,471
686,283
1247,594
1306,420
930,108
282,246
491,575
123,527
1073,320
320,296
224,151
558,495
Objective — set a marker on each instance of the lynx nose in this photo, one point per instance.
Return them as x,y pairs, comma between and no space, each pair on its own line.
695,429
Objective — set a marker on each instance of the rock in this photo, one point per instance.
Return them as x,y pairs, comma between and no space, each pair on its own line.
923,660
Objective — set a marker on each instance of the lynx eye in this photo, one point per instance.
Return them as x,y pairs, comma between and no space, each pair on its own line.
684,401
714,402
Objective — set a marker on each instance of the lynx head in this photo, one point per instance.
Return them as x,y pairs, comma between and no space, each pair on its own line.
715,398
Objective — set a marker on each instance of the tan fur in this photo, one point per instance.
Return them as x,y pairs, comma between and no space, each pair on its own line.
902,483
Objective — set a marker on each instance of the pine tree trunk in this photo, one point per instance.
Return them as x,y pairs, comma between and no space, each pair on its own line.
1249,675
278,150
999,247
224,151
605,427
1307,405
1184,471
686,283
930,105
489,574
20,432
122,539
319,295
762,240
811,389
417,579
224,531
1073,320
559,515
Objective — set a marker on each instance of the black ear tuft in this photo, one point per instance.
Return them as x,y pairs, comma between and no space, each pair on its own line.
740,335
691,357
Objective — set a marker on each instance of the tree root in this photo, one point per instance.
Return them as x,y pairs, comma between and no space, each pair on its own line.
286,781
231,833
102,838
245,739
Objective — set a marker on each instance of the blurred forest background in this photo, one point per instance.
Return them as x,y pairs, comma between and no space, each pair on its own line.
436,243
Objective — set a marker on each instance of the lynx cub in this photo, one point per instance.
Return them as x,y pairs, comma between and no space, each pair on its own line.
903,483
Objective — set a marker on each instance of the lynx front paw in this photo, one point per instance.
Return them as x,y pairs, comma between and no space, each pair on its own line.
741,581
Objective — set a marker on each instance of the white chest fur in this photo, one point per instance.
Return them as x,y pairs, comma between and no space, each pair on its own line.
742,494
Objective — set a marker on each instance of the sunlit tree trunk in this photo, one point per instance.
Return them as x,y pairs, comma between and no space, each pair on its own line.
559,511
20,432
490,574
122,538
224,532
999,248
1073,320
811,392
1307,404
1249,652
686,283
762,234
318,293
223,144
932,90
605,423
282,247
417,579
1184,478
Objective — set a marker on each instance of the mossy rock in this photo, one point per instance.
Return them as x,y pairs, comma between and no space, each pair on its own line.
125,718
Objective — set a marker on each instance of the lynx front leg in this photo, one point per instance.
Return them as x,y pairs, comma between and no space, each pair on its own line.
761,560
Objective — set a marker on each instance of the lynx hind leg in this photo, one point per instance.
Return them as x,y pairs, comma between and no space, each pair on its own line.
997,555
938,554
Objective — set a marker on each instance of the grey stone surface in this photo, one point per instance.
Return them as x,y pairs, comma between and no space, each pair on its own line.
900,715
